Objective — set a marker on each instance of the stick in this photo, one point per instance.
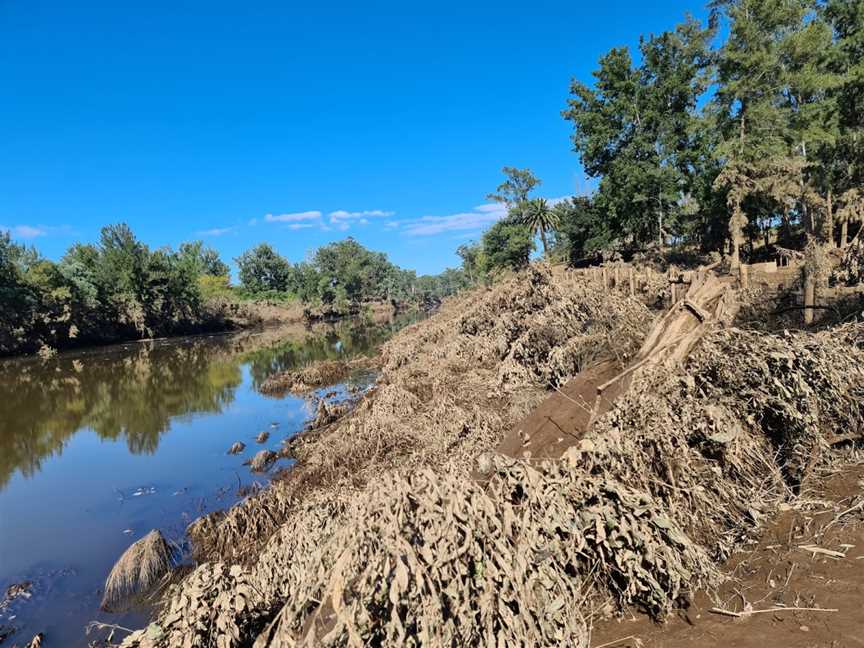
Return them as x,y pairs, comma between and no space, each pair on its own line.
617,641
846,512
774,609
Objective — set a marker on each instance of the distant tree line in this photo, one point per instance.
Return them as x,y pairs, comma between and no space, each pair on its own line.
340,274
757,139
120,289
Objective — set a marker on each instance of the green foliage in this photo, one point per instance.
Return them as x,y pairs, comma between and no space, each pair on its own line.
118,289
716,146
637,130
262,268
507,245
517,185
340,275
540,219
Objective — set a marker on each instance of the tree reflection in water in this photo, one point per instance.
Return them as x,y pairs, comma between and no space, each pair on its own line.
132,392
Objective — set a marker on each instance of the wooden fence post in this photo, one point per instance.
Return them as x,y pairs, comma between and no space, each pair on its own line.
809,296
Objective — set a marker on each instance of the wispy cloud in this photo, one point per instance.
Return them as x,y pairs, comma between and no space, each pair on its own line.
474,220
34,231
293,218
343,215
299,226
217,231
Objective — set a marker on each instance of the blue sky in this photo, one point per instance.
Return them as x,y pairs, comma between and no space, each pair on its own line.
291,123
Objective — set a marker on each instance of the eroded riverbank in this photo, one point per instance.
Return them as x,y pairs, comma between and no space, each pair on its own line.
98,447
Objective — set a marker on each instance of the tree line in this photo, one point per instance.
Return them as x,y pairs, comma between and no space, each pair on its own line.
120,289
727,145
340,274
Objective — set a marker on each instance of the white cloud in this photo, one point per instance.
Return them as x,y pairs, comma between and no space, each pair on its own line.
341,214
475,220
299,226
293,218
217,231
29,231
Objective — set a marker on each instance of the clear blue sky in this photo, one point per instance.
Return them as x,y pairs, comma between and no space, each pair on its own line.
199,119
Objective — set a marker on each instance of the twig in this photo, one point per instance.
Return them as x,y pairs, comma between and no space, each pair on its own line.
98,625
840,515
617,641
774,609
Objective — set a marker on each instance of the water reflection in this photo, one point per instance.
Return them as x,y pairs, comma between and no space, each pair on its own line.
132,392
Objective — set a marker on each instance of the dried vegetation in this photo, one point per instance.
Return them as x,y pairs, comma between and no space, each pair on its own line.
638,512
138,570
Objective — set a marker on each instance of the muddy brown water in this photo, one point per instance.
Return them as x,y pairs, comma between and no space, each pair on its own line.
99,447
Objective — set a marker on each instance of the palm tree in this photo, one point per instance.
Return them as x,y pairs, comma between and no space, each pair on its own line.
537,215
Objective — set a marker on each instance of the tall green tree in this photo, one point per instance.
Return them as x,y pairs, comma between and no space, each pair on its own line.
635,131
516,187
507,245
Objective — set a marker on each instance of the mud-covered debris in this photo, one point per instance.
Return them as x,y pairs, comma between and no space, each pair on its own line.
327,413
318,374
262,460
262,437
237,448
449,387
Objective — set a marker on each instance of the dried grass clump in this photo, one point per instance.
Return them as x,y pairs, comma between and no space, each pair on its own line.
140,567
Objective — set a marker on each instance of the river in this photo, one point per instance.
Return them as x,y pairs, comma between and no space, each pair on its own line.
98,447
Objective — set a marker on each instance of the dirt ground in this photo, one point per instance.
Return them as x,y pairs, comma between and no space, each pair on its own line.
776,572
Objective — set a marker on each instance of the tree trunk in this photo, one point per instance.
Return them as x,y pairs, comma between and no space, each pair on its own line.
829,220
543,240
735,261
844,234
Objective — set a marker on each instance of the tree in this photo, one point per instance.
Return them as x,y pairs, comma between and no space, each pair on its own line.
540,219
262,269
473,261
507,245
202,260
581,228
515,188
635,130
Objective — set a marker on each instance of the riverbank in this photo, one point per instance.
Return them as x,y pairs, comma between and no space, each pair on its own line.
216,315
400,520
156,419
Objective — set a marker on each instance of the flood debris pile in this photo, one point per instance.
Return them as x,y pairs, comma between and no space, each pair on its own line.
640,512
448,388
313,376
